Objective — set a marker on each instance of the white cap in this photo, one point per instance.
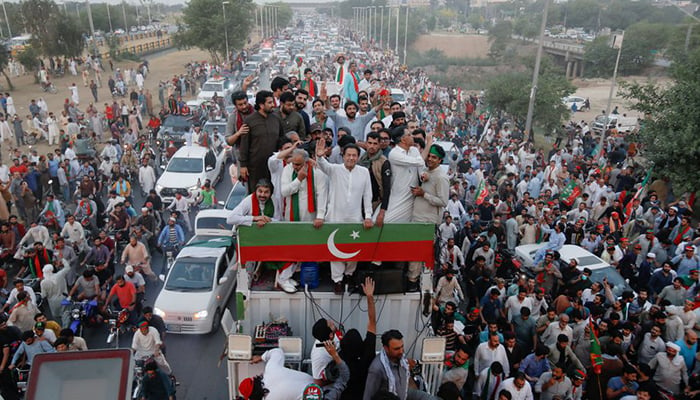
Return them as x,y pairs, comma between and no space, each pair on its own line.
651,255
673,346
128,269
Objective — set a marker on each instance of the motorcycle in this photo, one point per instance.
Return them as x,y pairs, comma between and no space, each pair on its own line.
35,284
80,313
117,322
170,255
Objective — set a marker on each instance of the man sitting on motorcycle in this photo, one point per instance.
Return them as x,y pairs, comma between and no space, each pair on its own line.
122,187
119,221
86,209
99,254
8,243
207,197
136,255
147,343
172,236
87,287
181,205
125,294
75,233
112,201
19,288
156,385
35,259
54,206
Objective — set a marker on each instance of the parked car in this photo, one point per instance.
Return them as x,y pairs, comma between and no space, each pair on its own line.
526,254
220,86
571,100
236,195
198,286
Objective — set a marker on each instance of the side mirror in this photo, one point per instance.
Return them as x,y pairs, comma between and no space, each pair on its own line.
161,277
209,168
221,203
223,280
162,167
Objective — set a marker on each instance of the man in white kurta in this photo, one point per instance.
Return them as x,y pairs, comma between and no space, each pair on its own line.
406,163
350,195
147,177
276,164
52,124
281,382
74,96
246,213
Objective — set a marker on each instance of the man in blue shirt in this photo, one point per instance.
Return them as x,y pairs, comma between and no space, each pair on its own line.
535,364
624,385
689,347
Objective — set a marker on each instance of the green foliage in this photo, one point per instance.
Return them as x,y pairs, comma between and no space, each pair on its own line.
499,36
4,61
53,33
642,41
437,58
204,26
592,15
284,13
669,136
29,58
510,93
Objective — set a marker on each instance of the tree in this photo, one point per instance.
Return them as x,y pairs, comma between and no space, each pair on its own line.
669,136
499,36
53,32
510,93
4,61
642,41
203,26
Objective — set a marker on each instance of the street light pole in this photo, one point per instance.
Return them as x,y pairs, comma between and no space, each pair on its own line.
398,14
223,8
536,73
405,36
612,89
109,18
381,27
388,28
92,26
126,27
7,21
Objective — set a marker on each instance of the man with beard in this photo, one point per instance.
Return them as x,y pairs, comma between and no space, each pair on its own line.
257,208
291,119
235,128
354,122
265,130
301,99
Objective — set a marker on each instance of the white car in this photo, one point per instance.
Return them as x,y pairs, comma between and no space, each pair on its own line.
213,223
599,268
198,286
236,195
187,170
220,86
571,100
399,96
450,150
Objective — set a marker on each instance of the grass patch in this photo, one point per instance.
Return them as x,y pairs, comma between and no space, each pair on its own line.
438,59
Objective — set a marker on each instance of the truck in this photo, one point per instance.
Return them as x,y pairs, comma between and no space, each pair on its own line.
259,303
622,123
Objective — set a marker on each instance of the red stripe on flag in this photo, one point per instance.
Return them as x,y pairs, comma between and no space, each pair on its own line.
384,251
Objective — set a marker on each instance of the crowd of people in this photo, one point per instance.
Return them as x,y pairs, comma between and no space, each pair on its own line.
547,330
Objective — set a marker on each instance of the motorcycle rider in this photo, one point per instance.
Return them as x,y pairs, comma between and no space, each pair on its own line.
181,205
147,343
119,220
157,385
135,254
172,236
54,206
75,233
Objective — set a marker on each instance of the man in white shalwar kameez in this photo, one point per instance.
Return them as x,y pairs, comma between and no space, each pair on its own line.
52,124
300,202
350,194
147,177
276,163
74,96
5,131
406,164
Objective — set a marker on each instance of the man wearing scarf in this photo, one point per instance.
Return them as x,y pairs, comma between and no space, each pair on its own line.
309,84
670,370
303,190
235,128
351,83
340,72
258,207
297,69
390,370
36,260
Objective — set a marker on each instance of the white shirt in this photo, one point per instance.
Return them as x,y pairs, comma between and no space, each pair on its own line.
455,208
146,345
485,356
291,187
320,358
179,204
75,232
549,337
243,213
12,298
283,383
405,167
513,306
275,165
523,394
349,191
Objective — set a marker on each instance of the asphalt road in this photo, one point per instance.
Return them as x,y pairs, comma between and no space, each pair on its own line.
193,358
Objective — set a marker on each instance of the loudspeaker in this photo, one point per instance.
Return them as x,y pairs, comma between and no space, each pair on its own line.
388,277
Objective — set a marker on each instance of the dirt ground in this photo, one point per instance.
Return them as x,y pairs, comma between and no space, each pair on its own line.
162,66
454,45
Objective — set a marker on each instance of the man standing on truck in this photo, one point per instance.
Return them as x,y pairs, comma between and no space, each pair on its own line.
350,195
258,207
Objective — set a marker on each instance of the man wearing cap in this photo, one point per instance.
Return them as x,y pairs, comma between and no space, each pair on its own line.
686,261
670,370
136,255
147,343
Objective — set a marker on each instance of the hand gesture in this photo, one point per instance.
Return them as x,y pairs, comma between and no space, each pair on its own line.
245,129
248,80
367,223
301,174
368,286
330,348
320,148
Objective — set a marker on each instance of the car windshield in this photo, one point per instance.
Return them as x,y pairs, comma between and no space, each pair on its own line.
209,128
186,165
213,223
587,261
176,124
192,275
614,279
236,197
213,87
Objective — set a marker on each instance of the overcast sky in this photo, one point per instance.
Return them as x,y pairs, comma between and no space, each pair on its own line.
134,2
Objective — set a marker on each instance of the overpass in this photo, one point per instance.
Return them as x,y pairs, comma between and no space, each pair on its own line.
571,53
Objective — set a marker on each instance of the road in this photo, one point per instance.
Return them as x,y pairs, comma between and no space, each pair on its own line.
193,358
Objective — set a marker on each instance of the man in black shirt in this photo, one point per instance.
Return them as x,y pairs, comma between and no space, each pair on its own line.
357,353
9,341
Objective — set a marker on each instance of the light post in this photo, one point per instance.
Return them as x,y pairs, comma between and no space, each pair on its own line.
92,26
405,36
223,8
109,18
617,40
536,74
126,27
396,47
381,28
7,21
